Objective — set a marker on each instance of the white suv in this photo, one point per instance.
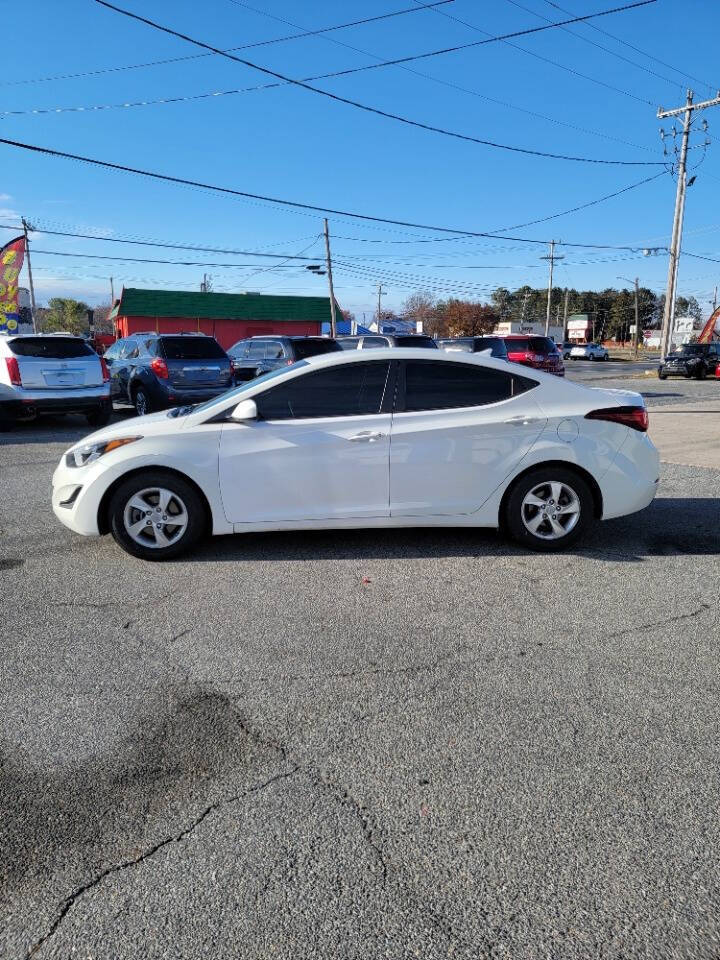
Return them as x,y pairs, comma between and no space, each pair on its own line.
52,373
589,351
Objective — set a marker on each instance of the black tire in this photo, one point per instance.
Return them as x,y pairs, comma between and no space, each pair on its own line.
101,416
606,356
186,496
512,519
6,426
141,402
662,376
702,373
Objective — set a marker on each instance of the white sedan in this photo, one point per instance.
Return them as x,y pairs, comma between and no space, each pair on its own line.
589,351
405,437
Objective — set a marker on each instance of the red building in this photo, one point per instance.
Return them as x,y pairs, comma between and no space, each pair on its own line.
228,317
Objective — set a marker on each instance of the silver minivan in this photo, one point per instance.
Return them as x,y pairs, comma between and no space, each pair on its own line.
52,373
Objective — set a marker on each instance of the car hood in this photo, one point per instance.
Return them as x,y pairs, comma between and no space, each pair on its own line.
150,425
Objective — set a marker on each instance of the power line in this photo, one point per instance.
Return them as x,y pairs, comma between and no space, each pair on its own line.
393,116
245,46
630,46
212,94
283,202
594,43
553,63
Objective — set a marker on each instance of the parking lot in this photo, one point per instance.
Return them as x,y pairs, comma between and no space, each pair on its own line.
396,743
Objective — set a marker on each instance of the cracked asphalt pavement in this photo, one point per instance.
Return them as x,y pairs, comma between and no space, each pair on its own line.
359,744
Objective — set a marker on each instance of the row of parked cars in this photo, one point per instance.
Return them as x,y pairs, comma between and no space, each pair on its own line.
60,373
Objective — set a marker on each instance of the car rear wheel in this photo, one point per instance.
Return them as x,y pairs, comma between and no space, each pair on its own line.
141,402
702,373
156,516
549,509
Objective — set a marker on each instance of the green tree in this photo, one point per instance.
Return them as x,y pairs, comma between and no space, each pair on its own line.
66,314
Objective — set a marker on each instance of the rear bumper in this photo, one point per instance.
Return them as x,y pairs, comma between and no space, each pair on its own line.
25,404
632,480
168,396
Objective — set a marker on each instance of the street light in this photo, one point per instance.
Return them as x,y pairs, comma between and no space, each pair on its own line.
637,315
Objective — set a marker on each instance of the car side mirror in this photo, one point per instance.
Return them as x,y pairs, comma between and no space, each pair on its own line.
245,410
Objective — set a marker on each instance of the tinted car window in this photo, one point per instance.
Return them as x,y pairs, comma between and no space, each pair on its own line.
345,344
152,347
465,344
313,346
131,350
416,341
274,350
349,390
50,348
192,348
257,348
369,343
442,386
113,352
531,345
490,343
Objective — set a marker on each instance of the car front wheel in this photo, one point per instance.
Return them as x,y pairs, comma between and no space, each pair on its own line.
156,516
549,509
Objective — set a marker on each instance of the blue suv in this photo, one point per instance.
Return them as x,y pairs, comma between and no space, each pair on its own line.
153,371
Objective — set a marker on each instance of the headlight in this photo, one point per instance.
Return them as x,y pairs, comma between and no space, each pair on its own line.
88,452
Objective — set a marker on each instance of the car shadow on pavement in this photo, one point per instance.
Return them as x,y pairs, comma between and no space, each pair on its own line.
670,526
66,429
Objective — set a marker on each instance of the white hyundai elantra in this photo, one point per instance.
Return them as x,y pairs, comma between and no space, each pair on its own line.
399,438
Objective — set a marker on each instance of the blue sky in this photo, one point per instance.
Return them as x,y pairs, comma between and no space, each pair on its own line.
291,143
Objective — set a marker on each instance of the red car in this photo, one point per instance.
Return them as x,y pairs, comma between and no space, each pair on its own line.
533,351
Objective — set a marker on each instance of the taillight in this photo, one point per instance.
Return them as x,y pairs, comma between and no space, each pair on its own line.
159,368
105,371
289,363
14,371
635,417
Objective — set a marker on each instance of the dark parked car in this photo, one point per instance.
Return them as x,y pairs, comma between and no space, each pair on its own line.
257,355
375,341
691,360
541,353
496,345
153,371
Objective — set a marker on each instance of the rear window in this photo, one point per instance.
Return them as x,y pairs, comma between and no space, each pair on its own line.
192,348
313,346
465,344
50,348
416,342
531,345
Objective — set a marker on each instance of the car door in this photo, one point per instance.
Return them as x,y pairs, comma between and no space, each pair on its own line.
319,449
458,430
274,355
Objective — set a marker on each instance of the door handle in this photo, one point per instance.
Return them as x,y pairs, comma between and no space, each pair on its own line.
366,436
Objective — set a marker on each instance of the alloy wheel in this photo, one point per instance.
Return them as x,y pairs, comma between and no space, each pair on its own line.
155,517
550,510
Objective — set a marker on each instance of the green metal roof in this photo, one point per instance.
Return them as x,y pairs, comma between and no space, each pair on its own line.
221,306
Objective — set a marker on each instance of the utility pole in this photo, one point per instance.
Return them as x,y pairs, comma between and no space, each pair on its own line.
379,319
26,227
552,258
687,113
715,300
112,294
565,314
637,318
333,318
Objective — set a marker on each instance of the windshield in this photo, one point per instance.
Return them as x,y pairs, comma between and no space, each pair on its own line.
192,348
690,350
238,393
